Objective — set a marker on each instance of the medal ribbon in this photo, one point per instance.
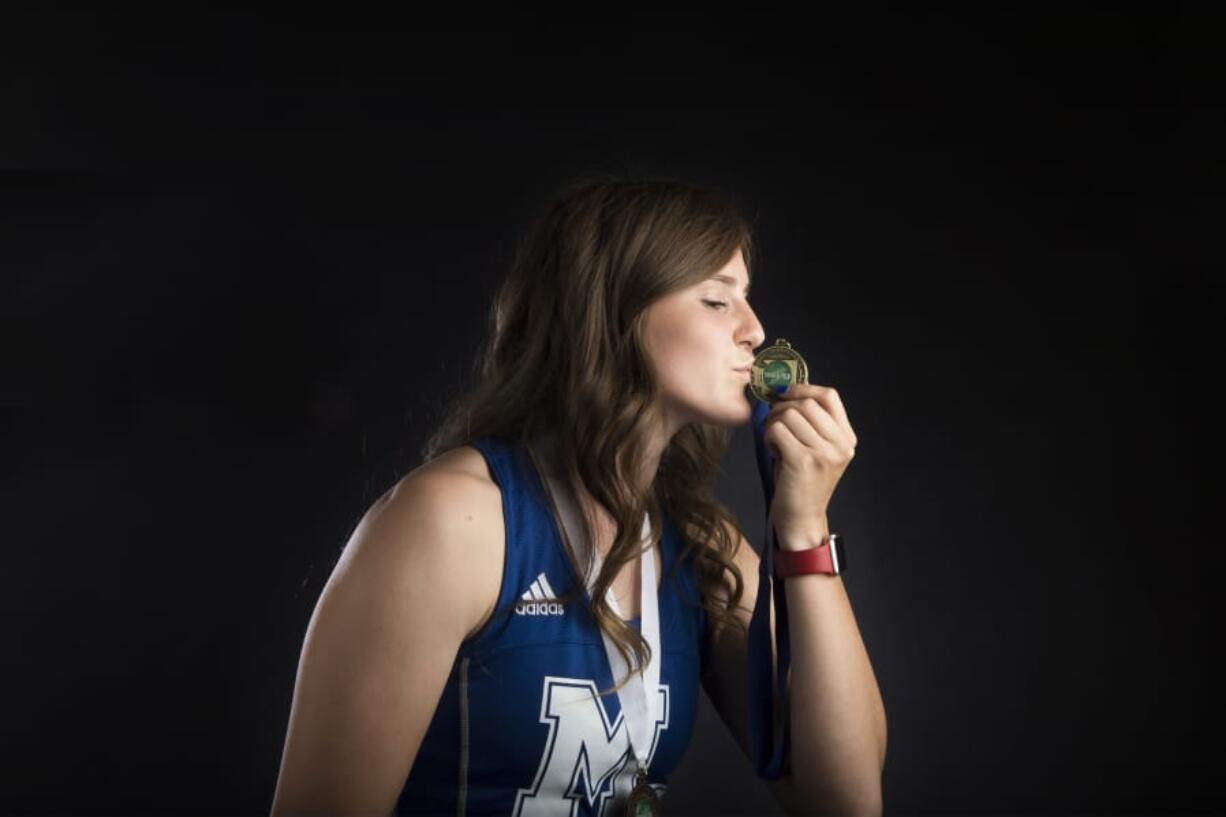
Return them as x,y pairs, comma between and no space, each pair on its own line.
637,703
639,696
768,745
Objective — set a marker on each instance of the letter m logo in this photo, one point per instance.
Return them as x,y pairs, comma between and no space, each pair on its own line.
587,763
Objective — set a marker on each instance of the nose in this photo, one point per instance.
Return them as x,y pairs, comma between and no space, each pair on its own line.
752,332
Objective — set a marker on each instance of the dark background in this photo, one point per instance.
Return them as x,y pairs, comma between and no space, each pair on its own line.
243,261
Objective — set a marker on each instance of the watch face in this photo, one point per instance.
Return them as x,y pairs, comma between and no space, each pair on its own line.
836,552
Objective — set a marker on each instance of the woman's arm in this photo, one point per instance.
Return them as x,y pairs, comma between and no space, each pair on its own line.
380,646
837,721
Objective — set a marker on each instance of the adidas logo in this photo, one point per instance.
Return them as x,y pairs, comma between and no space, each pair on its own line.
530,603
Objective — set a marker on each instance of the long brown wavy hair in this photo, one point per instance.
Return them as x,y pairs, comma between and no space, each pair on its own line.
564,355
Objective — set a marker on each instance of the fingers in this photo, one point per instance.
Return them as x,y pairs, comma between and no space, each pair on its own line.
795,434
827,397
808,420
780,437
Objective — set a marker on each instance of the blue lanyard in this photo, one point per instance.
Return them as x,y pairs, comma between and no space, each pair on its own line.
767,746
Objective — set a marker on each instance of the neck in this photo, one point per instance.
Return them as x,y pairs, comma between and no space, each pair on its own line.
547,447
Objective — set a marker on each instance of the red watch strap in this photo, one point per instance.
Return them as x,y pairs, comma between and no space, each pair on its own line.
801,562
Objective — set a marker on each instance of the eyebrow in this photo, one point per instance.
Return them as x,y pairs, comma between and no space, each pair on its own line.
729,281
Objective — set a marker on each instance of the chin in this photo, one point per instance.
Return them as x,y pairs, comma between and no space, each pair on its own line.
734,409
738,414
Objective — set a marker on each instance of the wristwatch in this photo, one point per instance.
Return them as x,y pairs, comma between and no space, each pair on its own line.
828,557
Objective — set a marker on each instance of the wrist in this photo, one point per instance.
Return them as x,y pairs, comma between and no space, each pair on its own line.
803,538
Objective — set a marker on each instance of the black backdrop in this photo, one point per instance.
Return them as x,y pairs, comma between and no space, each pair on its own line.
243,260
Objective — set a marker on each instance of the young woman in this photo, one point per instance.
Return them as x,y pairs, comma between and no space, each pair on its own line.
472,651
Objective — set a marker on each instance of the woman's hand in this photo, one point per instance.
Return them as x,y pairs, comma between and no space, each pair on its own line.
808,430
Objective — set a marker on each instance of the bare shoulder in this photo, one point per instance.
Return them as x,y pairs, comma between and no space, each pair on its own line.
413,581
464,459
456,480
450,502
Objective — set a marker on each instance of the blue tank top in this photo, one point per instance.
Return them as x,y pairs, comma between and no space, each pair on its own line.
520,728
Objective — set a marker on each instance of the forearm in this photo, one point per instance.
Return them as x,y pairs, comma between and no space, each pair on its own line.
838,726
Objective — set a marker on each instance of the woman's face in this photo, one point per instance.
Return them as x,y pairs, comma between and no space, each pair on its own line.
695,339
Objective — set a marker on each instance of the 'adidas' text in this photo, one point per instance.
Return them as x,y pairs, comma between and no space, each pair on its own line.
531,604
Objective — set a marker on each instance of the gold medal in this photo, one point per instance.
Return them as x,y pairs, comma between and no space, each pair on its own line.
774,366
643,800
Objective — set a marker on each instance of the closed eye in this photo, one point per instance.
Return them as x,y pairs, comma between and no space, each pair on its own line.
715,304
